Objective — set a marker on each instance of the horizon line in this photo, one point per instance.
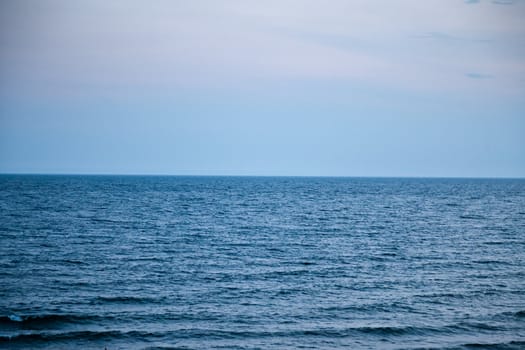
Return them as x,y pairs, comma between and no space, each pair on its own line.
254,175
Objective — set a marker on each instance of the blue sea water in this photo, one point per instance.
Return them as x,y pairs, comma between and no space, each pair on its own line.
130,262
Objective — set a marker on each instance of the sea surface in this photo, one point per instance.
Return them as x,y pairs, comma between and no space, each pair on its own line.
131,262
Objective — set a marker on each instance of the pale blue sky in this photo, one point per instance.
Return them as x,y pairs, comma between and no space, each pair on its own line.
278,87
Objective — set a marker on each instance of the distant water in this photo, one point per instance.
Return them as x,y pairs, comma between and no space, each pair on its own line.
90,262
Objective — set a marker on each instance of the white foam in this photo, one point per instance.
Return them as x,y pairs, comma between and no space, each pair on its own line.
15,318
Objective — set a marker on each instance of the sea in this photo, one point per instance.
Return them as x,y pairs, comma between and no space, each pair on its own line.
176,262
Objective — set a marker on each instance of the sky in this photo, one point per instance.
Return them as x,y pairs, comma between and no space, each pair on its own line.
276,87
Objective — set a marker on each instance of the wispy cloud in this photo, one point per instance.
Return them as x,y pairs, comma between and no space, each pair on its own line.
503,2
203,43
471,1
452,38
479,76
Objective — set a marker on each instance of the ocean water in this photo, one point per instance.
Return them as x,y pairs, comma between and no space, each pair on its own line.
94,262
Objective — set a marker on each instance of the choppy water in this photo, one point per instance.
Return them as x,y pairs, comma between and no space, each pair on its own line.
261,263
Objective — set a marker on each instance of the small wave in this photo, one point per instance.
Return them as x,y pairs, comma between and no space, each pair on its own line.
367,308
385,331
510,314
494,242
488,261
110,221
382,257
479,326
124,300
441,295
388,254
379,331
295,272
512,345
289,291
15,318
472,217
46,319
84,335
166,348
73,262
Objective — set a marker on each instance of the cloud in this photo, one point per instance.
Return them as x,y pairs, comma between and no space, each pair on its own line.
503,2
242,43
478,76
472,1
451,38
438,36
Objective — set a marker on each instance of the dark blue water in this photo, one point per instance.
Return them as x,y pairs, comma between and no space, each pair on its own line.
261,263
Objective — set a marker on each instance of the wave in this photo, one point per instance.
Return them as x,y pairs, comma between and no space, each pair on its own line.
214,333
171,348
73,262
393,332
515,314
480,326
442,295
58,321
125,300
520,313
472,217
393,306
386,331
491,262
383,331
510,345
76,335
47,319
495,242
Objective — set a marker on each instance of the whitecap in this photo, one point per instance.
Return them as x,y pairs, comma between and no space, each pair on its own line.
15,318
